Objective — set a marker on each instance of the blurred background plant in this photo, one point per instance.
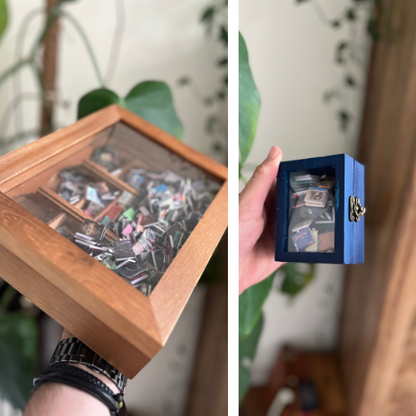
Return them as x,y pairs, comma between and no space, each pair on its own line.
215,20
252,299
20,320
349,54
351,57
151,100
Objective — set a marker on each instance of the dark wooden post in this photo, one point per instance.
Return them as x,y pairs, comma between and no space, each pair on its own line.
48,75
379,298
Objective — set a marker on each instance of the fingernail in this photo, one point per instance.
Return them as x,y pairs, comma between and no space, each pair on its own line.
274,152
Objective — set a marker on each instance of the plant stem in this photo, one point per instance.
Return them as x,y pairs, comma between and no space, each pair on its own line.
117,41
87,44
20,136
18,54
8,72
320,12
38,75
243,178
12,107
52,15
31,58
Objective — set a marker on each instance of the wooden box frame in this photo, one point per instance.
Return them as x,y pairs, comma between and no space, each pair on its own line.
349,235
114,319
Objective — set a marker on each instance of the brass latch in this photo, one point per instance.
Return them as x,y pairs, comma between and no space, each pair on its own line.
356,209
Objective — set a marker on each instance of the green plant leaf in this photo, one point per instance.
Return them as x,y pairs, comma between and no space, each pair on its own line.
208,14
221,95
372,29
212,273
247,351
330,95
344,119
96,100
18,350
153,101
295,278
184,81
224,35
340,52
223,62
351,14
251,303
4,16
249,103
350,81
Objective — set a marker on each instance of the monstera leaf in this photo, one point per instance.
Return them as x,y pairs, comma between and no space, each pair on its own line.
251,303
297,276
151,100
4,16
247,351
249,103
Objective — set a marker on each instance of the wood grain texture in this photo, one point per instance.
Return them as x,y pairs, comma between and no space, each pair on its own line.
403,398
354,236
26,162
379,296
348,186
94,287
359,235
71,278
116,182
49,175
173,144
173,291
91,329
71,210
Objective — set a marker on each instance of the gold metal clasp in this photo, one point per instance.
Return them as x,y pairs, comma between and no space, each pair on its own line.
356,209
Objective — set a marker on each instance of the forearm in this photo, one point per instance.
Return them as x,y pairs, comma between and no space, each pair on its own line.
53,399
56,399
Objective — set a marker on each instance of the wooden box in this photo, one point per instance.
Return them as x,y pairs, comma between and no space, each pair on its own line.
124,326
319,211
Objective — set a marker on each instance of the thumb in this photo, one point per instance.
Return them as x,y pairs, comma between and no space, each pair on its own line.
254,194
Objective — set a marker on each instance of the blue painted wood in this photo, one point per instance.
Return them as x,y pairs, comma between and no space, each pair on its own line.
359,190
349,236
348,225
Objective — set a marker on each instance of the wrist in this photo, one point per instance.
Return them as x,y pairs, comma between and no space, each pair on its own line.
243,277
109,383
59,376
71,350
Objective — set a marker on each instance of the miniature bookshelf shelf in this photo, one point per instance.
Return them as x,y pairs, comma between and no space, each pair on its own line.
124,326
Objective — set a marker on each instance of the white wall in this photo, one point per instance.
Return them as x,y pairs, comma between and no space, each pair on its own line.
291,54
163,40
161,388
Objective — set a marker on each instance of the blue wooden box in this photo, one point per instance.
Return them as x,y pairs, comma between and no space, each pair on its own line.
335,231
